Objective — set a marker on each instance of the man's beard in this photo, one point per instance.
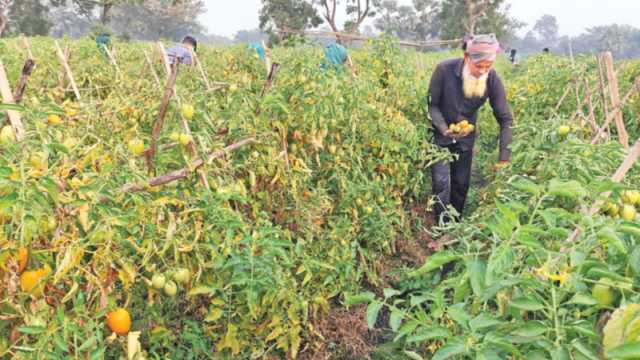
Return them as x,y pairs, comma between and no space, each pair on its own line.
473,86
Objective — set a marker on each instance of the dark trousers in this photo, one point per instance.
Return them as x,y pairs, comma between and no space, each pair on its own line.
450,181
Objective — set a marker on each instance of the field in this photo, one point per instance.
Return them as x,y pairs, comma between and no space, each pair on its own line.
312,239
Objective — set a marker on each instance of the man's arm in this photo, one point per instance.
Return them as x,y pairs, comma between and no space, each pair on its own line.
498,100
433,100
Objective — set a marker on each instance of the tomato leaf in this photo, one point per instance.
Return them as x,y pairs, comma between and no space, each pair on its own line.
526,303
434,262
626,351
372,313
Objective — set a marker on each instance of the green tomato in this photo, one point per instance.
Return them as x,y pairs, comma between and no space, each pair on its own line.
603,293
182,276
158,281
170,288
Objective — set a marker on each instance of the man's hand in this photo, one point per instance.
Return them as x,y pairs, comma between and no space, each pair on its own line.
457,135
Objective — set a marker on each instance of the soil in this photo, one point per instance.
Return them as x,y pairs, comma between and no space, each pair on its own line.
343,334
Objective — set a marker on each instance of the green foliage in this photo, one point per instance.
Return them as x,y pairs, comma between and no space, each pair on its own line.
518,286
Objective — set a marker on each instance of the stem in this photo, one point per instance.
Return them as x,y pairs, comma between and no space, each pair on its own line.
555,315
535,210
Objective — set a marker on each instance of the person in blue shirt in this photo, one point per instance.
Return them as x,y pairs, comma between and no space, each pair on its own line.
259,49
183,51
335,55
103,41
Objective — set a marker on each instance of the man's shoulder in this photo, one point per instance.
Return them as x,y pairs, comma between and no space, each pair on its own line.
450,63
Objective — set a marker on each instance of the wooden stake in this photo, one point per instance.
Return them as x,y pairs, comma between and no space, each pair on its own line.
22,83
163,56
566,92
270,78
67,69
112,59
591,118
7,98
157,126
602,86
615,99
634,89
626,165
267,58
185,171
202,72
27,46
192,147
62,74
268,83
153,70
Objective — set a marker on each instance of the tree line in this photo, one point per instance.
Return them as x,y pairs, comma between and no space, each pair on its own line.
422,20
140,19
425,20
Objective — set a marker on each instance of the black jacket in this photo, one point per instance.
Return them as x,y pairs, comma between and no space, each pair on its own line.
447,104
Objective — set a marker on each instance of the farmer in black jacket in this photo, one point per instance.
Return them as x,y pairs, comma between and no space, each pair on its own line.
458,88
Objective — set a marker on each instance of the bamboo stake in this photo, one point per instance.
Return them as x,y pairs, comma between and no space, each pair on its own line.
27,46
615,100
564,95
185,171
157,126
7,98
27,69
577,87
111,58
183,122
165,61
62,74
592,117
267,58
268,83
67,69
192,147
605,105
634,89
201,69
150,65
626,165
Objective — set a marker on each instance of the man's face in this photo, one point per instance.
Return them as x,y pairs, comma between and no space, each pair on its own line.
188,45
480,68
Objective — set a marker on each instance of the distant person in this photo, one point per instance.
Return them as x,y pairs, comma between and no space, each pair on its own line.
335,55
513,57
457,90
259,49
183,51
102,41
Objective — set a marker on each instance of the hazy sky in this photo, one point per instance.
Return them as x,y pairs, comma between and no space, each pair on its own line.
225,17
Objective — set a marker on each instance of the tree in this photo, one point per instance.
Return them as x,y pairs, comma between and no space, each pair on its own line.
621,40
29,17
247,36
546,28
460,17
154,19
357,11
417,22
428,25
105,7
65,21
4,9
297,15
